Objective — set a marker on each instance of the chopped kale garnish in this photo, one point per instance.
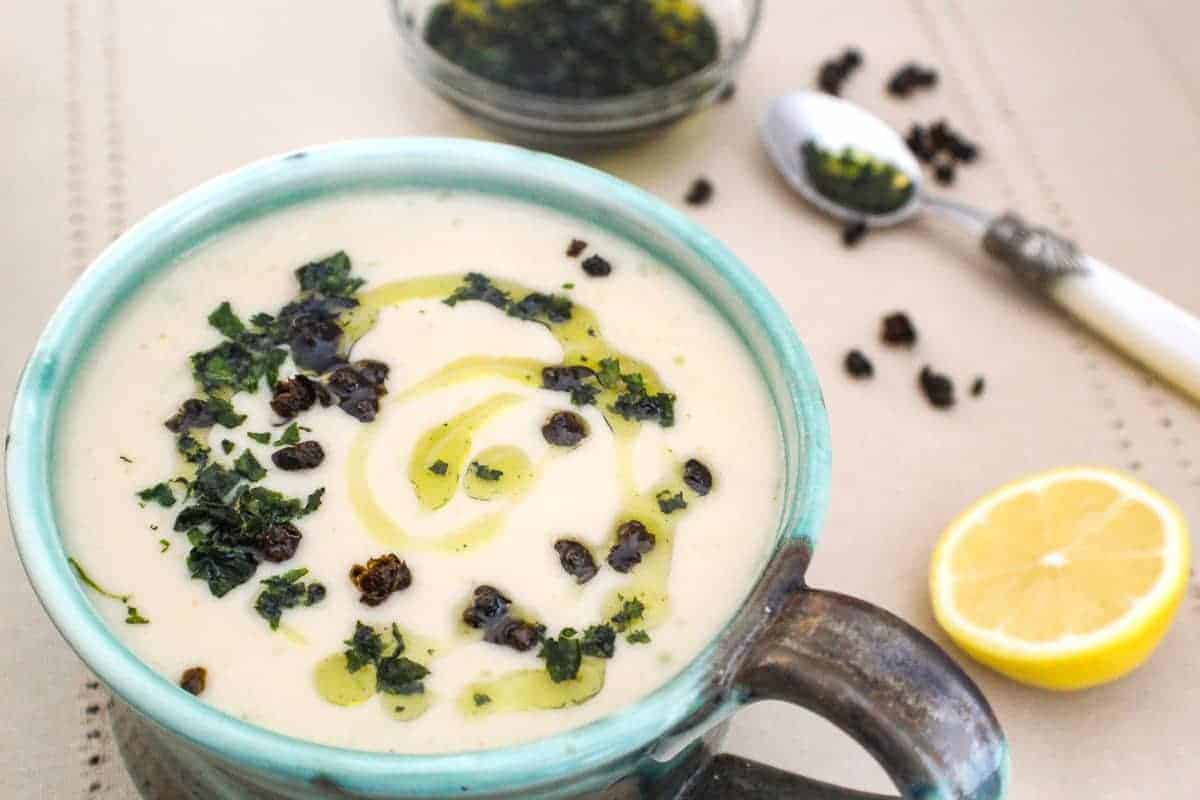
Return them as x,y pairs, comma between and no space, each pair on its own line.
638,637
313,501
197,413
329,276
480,699
126,459
233,365
286,591
538,307
478,287
610,373
397,674
163,545
158,493
439,467
563,657
261,438
486,473
132,617
227,446
636,403
599,641
222,566
669,503
631,612
366,647
192,450
214,481
248,467
290,436
227,322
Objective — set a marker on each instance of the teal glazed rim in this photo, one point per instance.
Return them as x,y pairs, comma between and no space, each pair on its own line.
273,183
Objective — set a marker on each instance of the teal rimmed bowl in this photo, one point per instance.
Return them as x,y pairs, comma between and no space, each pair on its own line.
859,666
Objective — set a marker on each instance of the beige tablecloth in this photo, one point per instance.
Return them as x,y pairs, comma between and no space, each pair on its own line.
1088,113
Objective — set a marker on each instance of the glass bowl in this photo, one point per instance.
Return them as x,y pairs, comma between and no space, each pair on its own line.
558,123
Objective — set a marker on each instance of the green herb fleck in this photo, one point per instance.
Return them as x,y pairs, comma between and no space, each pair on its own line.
261,438
568,286
214,481
366,647
638,637
290,436
286,591
397,674
563,657
223,567
192,450
669,503
481,699
439,467
126,459
313,501
132,617
248,467
486,473
158,493
227,322
223,412
227,446
329,276
233,365
479,287
631,611
599,641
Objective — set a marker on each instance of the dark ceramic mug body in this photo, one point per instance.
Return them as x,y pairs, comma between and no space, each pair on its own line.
871,674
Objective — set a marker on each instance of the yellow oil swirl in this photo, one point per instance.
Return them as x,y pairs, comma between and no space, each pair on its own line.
447,446
516,473
531,690
338,685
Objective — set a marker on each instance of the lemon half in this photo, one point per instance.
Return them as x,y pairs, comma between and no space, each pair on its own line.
1065,579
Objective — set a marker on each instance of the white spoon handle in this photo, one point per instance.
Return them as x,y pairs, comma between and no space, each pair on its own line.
1151,329
1147,326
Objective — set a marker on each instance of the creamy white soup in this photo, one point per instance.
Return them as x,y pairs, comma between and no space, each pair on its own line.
550,472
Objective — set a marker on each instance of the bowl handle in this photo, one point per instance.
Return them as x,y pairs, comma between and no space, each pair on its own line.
881,681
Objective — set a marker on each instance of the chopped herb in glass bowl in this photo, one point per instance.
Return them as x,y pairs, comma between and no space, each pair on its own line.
577,73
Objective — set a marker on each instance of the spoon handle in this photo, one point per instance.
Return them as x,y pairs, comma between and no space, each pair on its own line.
1146,326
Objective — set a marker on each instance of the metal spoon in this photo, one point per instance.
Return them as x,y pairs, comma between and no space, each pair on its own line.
1151,329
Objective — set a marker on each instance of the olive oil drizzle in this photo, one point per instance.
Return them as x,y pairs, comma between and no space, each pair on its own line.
531,690
582,344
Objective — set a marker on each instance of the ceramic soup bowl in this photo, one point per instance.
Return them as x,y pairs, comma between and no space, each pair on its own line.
874,676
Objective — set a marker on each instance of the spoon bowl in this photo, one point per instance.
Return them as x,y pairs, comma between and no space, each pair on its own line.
834,124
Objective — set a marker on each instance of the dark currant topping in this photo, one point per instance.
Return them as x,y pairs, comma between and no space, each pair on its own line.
898,330
193,680
919,143
944,172
853,233
978,387
192,414
597,267
514,633
381,577
576,560
576,248
314,340
858,365
372,371
345,382
633,542
358,387
305,455
488,606
938,388
697,477
298,394
700,193
564,379
278,542
565,429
